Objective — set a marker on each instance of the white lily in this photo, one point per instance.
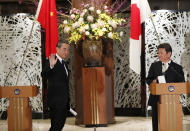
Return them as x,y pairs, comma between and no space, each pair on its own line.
87,33
98,12
90,18
65,22
91,8
110,35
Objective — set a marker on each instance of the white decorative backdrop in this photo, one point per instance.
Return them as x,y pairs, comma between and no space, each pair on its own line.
127,84
14,35
172,27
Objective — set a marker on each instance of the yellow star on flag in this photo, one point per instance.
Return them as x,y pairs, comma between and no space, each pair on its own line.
51,13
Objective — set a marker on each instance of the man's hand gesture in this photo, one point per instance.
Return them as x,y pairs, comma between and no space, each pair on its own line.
52,60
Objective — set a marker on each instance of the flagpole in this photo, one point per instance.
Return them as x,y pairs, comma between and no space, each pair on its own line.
18,76
151,17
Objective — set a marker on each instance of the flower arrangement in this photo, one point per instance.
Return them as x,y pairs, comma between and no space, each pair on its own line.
91,23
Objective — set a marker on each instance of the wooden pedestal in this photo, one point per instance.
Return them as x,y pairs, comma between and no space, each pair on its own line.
82,78
94,99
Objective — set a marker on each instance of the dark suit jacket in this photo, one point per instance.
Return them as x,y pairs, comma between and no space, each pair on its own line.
58,85
174,73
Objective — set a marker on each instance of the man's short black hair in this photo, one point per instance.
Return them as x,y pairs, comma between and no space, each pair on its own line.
166,46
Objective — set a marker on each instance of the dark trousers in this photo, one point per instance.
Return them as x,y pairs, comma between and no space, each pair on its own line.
58,118
155,117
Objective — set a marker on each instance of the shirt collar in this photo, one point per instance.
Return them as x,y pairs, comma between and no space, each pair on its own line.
168,63
59,58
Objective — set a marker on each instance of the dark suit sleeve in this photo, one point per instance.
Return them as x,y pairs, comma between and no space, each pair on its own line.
47,71
182,78
151,75
174,73
179,74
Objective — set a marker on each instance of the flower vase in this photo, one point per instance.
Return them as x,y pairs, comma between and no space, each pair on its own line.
92,52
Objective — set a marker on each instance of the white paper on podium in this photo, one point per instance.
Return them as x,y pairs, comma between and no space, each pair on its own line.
161,79
73,112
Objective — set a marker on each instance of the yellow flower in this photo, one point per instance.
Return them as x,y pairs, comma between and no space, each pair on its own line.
91,23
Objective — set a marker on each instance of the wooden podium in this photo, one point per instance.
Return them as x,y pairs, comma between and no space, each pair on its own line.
169,107
19,110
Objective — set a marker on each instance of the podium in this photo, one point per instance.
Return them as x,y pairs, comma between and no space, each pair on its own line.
19,110
169,107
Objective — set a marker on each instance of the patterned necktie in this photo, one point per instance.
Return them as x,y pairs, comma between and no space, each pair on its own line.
164,67
63,63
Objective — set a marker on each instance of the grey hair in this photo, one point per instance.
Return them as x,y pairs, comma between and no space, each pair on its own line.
60,42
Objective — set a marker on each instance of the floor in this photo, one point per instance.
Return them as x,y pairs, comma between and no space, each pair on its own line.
122,124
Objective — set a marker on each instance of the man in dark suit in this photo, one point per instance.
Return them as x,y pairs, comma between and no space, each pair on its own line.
57,75
164,67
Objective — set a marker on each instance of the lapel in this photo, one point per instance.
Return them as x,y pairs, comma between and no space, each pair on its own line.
169,75
170,65
65,63
69,71
66,66
63,67
159,68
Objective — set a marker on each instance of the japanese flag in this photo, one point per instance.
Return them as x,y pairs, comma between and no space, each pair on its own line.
140,10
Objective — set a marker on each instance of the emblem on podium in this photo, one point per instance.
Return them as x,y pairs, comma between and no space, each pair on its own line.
171,88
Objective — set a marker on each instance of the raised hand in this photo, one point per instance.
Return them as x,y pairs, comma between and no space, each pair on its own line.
52,60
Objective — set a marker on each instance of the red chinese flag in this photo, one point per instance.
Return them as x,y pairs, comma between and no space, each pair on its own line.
47,16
